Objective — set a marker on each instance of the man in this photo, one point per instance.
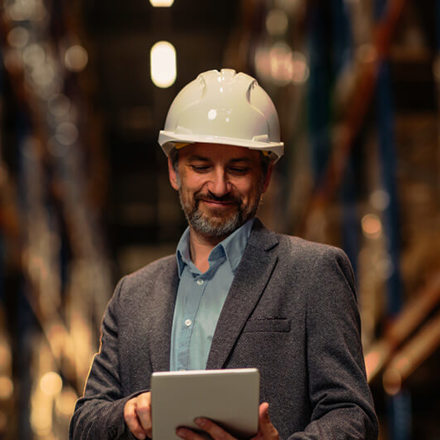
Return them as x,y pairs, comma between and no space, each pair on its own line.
235,294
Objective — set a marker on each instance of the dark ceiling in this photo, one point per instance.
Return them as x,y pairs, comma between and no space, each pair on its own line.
142,209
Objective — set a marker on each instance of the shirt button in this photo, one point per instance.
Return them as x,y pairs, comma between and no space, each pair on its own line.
199,282
188,322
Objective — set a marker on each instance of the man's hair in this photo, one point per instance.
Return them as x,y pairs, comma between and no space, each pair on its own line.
265,161
174,156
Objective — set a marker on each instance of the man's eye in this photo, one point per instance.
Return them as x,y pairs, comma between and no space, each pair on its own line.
200,168
239,170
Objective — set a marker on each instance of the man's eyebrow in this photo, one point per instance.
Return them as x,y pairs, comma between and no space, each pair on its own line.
241,159
197,157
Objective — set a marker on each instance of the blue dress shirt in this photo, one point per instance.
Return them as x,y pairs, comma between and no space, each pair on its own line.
200,298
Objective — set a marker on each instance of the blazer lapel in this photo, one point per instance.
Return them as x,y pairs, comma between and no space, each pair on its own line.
251,278
162,316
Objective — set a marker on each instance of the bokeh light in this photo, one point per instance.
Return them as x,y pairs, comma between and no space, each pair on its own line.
161,3
76,58
163,67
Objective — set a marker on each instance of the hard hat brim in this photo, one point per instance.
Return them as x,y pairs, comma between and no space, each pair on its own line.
168,139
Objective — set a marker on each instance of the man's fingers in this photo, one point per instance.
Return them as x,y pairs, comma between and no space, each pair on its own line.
263,413
266,430
132,421
208,426
137,416
187,434
212,429
143,411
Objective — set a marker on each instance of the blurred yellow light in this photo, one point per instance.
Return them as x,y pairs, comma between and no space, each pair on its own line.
5,351
51,383
76,58
18,37
281,66
6,387
65,403
277,22
162,3
23,10
380,199
43,74
392,381
301,71
41,417
163,67
34,55
371,225
66,133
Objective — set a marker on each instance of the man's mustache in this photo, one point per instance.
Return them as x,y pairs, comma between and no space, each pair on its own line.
209,196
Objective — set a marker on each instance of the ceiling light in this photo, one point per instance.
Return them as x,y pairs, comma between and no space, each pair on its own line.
162,3
163,64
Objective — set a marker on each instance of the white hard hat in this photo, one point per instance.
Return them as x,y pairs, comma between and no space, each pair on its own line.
223,108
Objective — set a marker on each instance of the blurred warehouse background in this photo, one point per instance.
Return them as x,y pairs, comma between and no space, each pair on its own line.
84,196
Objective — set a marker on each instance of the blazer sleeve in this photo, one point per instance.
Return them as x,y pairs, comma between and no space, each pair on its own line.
98,414
341,401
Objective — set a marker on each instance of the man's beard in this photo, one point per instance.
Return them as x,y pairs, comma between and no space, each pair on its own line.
221,225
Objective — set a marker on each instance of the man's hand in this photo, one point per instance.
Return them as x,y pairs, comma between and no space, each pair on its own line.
266,431
137,416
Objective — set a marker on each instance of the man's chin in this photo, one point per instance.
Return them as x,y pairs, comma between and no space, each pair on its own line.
215,226
220,221
218,215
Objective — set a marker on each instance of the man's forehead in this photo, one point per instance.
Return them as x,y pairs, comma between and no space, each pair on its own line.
199,151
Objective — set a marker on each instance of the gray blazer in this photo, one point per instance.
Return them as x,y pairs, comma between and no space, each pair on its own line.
291,312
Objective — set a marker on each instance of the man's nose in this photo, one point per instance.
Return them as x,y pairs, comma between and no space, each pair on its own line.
219,184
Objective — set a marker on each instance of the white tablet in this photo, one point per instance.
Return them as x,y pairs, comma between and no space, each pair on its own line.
228,397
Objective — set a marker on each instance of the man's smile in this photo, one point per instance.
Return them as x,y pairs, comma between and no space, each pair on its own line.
218,203
226,202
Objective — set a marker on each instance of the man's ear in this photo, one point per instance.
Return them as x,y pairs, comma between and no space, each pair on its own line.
172,175
267,178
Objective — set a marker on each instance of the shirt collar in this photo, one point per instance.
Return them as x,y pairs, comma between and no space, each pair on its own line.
182,251
232,247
